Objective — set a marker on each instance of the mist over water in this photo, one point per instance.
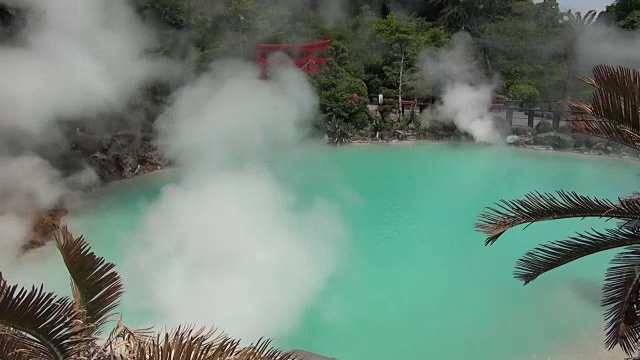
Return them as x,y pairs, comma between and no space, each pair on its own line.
413,280
225,239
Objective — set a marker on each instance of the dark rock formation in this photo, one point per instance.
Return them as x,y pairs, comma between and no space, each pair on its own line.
556,140
519,140
544,127
522,130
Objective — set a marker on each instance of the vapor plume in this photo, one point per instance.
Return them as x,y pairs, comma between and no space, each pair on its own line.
602,44
229,244
466,92
66,60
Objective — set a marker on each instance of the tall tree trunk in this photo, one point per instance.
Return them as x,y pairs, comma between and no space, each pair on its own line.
400,84
572,69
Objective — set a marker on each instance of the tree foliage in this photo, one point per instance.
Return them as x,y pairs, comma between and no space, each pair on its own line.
623,13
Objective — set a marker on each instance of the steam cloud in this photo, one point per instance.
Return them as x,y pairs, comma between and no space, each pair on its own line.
466,93
601,44
73,59
224,246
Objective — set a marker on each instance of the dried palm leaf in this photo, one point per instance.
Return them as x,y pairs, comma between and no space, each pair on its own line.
621,296
616,96
536,207
262,350
550,256
186,343
97,288
14,345
587,124
48,321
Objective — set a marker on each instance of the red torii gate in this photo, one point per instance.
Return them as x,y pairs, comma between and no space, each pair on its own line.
303,55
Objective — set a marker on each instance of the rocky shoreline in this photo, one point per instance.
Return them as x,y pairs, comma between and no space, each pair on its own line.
114,157
541,138
125,155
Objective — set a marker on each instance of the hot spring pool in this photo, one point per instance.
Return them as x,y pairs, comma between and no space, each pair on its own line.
414,279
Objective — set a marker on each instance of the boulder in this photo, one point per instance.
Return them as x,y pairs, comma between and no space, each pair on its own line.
128,162
544,127
556,140
105,166
565,130
122,141
519,140
601,149
521,130
86,143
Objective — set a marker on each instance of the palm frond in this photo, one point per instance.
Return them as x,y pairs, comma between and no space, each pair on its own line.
588,125
50,321
616,95
96,286
262,350
186,343
550,256
124,341
621,297
14,345
536,207
589,17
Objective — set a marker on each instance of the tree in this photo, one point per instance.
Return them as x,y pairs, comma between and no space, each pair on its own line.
577,24
624,13
337,88
467,15
405,39
511,46
614,114
35,324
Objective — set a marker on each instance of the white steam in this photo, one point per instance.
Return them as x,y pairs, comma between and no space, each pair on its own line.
601,44
228,245
466,93
73,59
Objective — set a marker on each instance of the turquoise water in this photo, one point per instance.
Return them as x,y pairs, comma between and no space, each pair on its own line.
416,280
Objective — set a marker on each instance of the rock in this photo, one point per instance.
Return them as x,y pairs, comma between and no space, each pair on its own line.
146,137
544,127
149,154
599,149
565,130
128,162
121,142
521,130
105,166
86,143
519,140
555,140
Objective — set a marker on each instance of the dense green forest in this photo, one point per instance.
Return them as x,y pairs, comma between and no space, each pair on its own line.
529,47
377,45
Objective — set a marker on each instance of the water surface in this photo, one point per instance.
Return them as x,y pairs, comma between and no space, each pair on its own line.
416,280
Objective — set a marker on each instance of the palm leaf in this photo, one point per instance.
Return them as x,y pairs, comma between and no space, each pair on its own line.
16,346
621,297
587,124
616,96
186,343
550,256
262,350
96,286
47,319
536,207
